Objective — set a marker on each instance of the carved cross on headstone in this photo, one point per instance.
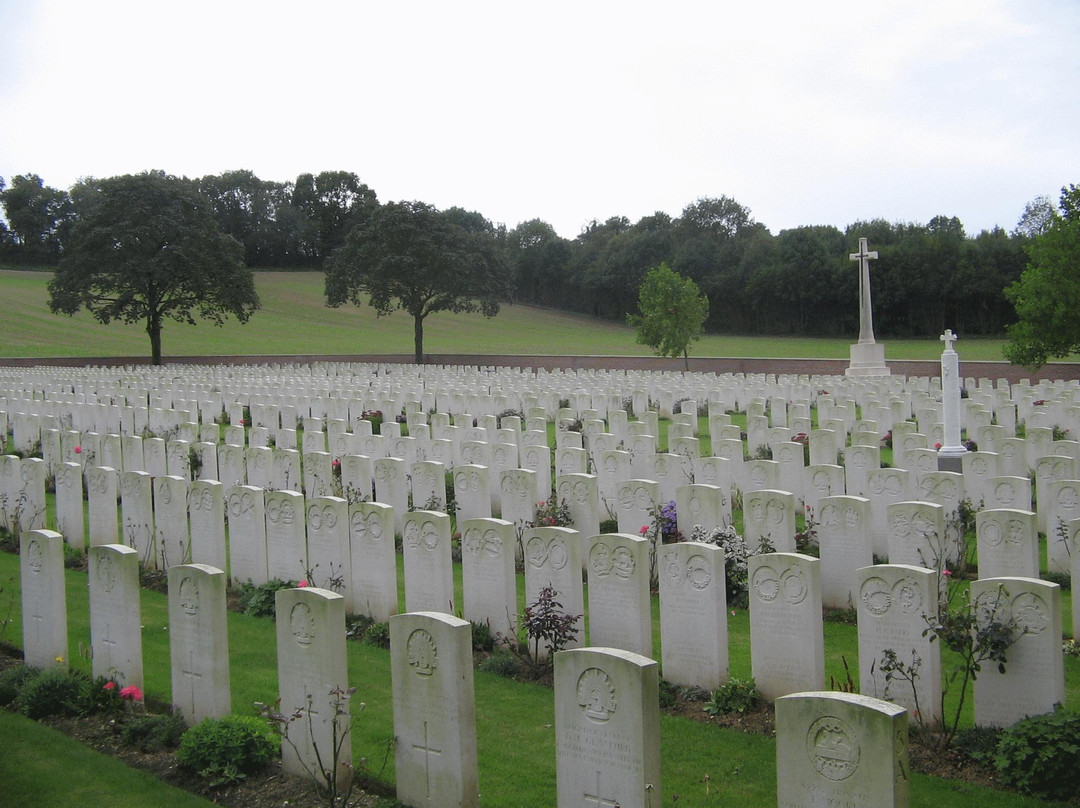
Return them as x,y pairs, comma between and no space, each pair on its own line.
108,645
597,799
191,676
948,338
428,752
866,312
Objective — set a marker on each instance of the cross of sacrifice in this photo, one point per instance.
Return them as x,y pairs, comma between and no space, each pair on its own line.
428,752
948,338
191,676
866,312
598,800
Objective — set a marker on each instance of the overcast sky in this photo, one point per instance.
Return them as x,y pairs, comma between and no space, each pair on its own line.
806,113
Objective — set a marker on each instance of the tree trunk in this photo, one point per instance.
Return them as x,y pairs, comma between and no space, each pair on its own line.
686,359
418,337
153,328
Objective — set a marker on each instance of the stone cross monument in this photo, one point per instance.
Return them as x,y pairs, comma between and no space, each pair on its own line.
953,449
867,356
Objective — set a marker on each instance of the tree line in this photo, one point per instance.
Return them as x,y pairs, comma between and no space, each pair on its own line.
797,282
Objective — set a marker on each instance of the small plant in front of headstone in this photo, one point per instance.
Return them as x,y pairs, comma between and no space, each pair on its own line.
734,696
548,626
978,634
153,732
258,599
736,553
226,750
665,522
332,771
551,513
1040,755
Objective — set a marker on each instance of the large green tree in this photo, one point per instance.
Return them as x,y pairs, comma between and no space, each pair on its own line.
671,314
39,218
146,247
411,256
1047,296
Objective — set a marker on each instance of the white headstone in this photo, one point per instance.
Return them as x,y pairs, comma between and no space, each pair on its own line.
198,642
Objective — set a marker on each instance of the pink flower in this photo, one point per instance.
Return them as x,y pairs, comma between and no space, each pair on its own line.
644,530
131,692
946,572
241,422
78,450
937,445
302,584
109,686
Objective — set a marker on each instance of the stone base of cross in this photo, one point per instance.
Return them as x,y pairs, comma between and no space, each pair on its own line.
867,359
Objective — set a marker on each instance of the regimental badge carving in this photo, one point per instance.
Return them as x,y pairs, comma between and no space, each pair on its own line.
423,655
766,584
833,748
302,624
412,534
623,563
596,695
600,560
698,572
991,533
429,536
540,551
674,567
106,572
876,596
907,595
189,595
793,586
35,558
1030,613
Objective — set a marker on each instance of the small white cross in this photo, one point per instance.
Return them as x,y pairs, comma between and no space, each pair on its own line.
948,338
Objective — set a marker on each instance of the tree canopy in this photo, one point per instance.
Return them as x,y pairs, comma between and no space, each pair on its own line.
672,313
145,247
411,256
1047,296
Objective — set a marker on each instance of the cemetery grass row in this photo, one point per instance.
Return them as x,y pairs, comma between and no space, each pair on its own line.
516,745
294,319
689,749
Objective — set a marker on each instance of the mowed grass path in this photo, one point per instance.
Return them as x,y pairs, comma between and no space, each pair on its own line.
294,319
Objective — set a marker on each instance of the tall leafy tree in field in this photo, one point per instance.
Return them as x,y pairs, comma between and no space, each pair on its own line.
411,256
672,313
1047,296
145,247
39,218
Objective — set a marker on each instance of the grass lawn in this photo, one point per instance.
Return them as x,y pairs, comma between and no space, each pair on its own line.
515,734
294,319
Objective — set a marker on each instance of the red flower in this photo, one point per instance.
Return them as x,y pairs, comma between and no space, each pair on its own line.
302,584
131,692
937,445
241,422
109,686
78,450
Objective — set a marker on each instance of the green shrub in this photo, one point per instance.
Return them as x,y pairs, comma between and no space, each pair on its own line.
151,732
1040,755
224,750
12,680
669,694
505,665
734,696
53,691
482,639
378,634
978,743
258,600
